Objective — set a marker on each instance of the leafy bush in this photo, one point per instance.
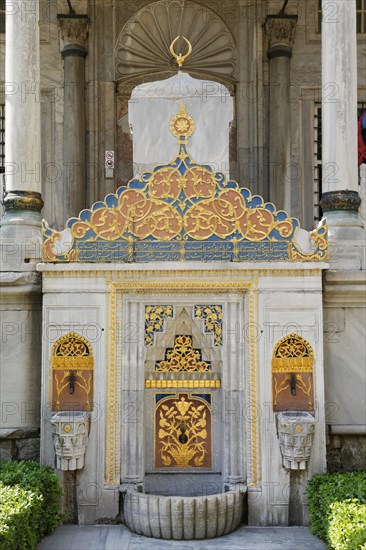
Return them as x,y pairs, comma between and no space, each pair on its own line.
30,503
323,491
347,520
20,511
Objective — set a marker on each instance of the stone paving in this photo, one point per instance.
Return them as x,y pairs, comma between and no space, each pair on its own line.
118,537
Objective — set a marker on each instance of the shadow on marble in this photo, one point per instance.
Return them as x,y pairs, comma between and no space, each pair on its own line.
118,537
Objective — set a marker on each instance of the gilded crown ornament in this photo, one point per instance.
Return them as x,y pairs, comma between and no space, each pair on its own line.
180,58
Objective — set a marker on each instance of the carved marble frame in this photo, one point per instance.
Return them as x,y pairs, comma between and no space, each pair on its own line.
118,292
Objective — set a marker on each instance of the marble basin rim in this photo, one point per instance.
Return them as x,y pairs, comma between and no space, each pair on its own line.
183,517
296,415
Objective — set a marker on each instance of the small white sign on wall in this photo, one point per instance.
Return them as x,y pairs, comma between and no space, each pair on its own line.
109,164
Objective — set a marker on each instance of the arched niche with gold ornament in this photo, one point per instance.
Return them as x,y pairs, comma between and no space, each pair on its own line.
72,365
292,374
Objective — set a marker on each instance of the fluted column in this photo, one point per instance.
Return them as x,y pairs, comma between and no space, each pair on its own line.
280,31
73,34
22,202
340,200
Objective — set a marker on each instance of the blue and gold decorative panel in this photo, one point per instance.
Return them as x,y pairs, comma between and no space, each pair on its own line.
154,321
212,316
182,211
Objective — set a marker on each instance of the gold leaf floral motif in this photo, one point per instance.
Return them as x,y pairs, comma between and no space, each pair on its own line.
184,440
178,203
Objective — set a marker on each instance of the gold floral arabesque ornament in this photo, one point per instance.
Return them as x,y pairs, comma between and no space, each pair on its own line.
212,317
184,433
154,321
183,358
292,355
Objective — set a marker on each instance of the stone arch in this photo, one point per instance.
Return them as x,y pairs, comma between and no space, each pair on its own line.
142,47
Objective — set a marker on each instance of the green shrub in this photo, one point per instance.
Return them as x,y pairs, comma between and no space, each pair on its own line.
347,520
38,492
324,490
20,512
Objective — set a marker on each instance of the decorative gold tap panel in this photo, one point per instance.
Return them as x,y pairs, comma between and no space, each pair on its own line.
292,374
72,365
183,431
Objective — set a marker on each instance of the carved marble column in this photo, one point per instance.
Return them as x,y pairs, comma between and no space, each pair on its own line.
20,237
340,200
280,31
73,35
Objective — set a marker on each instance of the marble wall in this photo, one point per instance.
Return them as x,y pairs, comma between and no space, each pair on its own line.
260,305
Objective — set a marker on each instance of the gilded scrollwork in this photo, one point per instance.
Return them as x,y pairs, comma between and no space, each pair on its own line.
292,354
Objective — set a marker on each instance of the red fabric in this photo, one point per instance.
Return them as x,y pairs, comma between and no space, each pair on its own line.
361,141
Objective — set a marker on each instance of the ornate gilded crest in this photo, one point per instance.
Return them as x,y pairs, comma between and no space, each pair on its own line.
183,358
182,125
183,211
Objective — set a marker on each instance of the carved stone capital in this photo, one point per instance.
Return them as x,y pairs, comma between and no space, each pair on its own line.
73,32
280,31
340,200
22,200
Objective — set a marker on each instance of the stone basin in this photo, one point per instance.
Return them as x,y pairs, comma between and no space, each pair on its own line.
183,518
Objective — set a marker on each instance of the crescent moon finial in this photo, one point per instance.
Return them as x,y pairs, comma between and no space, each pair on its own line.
180,58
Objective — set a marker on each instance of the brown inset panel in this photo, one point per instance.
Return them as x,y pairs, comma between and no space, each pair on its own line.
183,432
301,396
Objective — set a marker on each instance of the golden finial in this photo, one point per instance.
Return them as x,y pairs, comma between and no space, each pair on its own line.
182,125
180,58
